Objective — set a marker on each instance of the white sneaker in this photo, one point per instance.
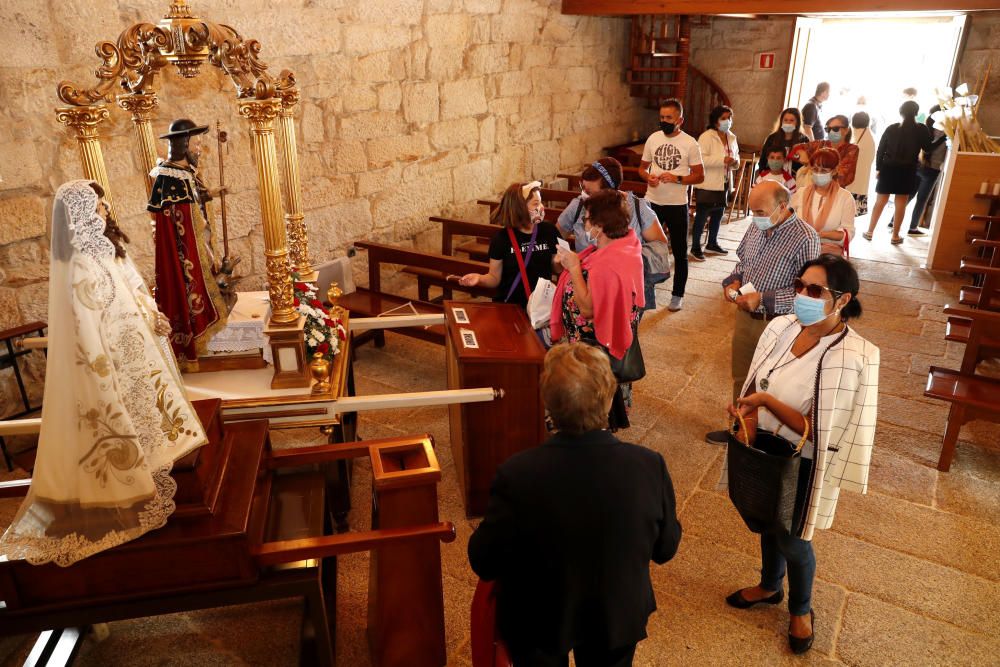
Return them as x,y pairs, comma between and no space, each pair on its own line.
676,303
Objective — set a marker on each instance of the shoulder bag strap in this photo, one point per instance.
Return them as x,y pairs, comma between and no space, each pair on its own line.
523,276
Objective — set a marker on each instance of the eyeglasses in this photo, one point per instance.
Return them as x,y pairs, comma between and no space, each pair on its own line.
813,291
834,129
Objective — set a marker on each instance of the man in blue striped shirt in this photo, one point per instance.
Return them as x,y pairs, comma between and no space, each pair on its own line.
771,254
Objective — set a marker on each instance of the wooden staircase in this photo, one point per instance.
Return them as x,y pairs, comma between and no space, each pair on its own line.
660,68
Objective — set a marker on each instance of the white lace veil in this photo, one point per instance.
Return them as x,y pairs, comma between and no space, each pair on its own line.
114,416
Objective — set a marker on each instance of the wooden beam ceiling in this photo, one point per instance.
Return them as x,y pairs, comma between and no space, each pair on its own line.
628,7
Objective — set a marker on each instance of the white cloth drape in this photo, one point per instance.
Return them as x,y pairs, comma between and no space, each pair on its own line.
114,416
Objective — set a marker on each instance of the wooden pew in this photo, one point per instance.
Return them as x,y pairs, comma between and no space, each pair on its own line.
371,301
990,229
986,294
549,198
477,249
971,396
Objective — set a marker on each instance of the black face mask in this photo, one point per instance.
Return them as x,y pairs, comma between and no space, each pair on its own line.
668,128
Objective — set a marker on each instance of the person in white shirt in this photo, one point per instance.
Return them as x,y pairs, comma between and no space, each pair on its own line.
671,161
825,206
721,155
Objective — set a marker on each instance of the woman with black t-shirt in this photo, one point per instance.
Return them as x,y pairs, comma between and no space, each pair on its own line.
520,216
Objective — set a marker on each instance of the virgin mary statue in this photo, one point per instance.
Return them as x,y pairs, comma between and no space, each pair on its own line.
114,416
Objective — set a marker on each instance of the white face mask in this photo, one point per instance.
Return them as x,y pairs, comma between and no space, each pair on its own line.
763,222
821,180
787,127
537,214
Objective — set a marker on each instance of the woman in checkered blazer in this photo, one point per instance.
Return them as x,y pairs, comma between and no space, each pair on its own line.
812,366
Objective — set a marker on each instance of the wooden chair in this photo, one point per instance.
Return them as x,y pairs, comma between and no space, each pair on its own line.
488,649
986,294
11,359
971,396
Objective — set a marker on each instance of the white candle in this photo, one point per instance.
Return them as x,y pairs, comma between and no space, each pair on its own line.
996,189
984,188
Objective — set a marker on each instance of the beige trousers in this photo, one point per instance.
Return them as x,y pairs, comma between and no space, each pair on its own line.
745,336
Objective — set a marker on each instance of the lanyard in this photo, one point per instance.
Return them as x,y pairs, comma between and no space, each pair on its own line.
522,277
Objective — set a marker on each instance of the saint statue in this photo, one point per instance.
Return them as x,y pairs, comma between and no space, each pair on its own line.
185,263
115,417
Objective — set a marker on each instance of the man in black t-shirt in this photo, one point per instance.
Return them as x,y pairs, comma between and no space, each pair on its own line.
812,124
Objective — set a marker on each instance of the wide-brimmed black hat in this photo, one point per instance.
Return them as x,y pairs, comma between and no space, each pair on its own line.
183,127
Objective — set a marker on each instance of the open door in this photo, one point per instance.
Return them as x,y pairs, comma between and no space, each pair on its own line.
804,29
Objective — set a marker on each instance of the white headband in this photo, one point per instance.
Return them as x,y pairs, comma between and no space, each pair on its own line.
528,187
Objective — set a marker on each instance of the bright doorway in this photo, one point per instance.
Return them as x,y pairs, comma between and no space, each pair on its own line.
869,59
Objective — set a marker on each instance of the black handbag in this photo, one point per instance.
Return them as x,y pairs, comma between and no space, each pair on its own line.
631,366
710,198
768,481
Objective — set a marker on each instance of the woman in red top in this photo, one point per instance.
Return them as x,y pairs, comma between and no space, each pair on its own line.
838,132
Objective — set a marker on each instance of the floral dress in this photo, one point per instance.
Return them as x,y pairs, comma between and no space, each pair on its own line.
580,329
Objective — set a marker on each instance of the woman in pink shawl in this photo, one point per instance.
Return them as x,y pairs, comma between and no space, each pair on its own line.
599,296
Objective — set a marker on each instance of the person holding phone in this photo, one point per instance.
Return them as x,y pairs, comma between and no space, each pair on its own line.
771,256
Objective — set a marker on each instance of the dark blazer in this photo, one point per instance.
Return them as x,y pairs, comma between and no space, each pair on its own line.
569,532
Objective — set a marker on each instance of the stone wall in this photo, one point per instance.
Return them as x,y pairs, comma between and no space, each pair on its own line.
725,50
981,50
409,108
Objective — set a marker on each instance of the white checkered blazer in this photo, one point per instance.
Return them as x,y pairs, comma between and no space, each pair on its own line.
844,412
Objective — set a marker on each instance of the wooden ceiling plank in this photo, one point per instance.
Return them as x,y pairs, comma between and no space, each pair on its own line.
630,7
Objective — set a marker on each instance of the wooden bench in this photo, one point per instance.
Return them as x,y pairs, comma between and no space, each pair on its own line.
971,396
986,294
477,249
371,301
990,229
549,197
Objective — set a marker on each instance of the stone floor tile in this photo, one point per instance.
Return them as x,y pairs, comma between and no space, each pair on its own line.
901,477
964,543
909,582
877,634
969,496
912,413
892,382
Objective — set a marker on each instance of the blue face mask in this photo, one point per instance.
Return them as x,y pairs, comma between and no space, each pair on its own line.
809,310
835,136
787,127
763,222
724,125
776,166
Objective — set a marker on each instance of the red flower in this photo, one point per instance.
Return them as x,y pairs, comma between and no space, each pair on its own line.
301,287
323,348
316,303
297,302
341,335
328,322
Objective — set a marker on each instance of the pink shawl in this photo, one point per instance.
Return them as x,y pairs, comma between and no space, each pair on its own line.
614,278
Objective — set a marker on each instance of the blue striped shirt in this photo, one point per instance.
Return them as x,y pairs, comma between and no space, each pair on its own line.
772,260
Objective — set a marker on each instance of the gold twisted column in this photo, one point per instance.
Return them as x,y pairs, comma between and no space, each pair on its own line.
141,106
261,114
84,121
295,226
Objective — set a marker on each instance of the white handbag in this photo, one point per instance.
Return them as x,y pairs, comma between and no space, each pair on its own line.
540,303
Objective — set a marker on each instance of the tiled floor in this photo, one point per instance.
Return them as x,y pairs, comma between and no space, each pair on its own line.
909,575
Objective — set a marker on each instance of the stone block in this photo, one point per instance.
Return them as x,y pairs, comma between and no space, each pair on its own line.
376,180
510,166
424,196
580,78
390,12
33,302
21,218
370,125
416,62
513,84
333,228
362,40
10,315
474,180
33,31
544,159
421,102
447,30
512,27
320,192
390,97
530,127
487,134
487,59
466,97
442,6
534,55
378,67
558,30
444,63
312,123
454,133
346,157
482,6
549,80
29,170
480,29
386,150
359,97
572,151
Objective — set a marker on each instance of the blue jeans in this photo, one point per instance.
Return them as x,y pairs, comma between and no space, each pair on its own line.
781,552
928,179
714,216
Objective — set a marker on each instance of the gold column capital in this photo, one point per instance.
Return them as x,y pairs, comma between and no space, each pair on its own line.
83,119
140,105
260,113
289,98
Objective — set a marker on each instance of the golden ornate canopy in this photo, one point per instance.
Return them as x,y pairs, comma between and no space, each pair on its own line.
132,63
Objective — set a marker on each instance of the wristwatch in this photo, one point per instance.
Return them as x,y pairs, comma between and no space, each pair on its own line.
679,178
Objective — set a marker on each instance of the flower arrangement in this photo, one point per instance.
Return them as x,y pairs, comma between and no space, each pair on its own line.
959,118
323,331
